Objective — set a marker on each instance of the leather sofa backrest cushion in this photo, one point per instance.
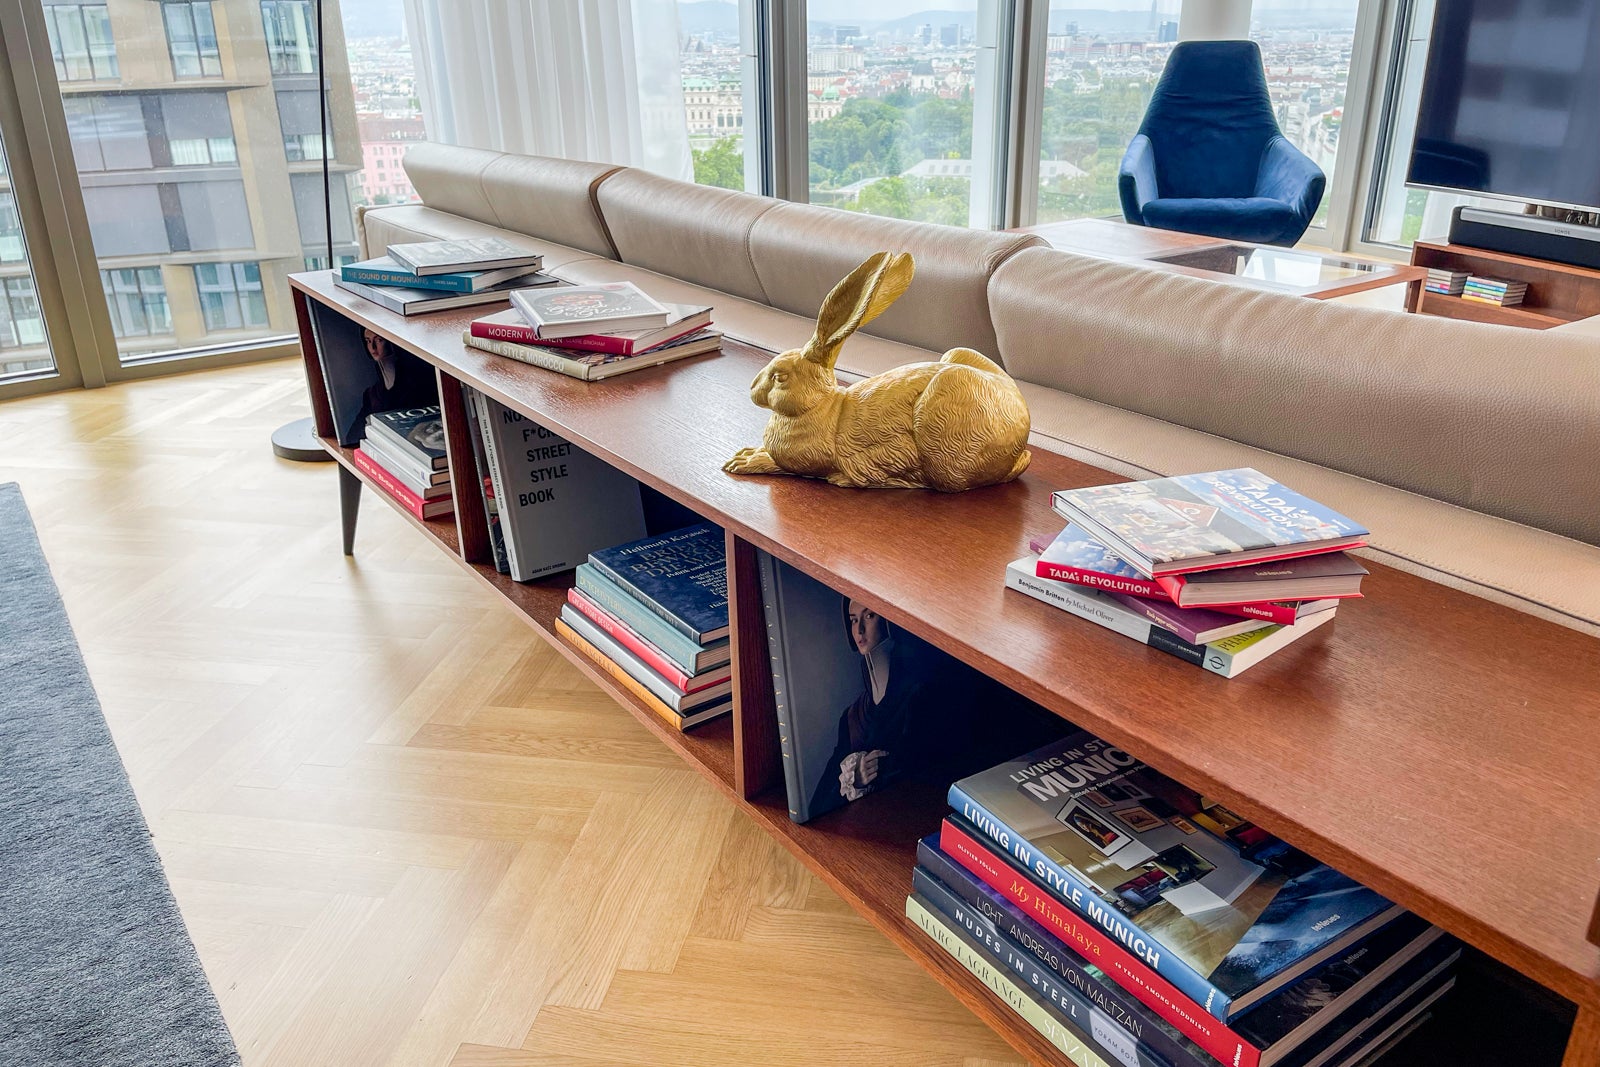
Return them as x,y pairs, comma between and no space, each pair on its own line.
1499,420
800,252
537,195
695,232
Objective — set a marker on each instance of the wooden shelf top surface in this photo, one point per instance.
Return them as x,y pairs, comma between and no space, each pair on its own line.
1439,747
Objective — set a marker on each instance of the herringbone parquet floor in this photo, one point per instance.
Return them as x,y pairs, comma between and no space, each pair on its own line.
403,831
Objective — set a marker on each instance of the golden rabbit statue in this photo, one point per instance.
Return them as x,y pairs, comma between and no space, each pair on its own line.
951,425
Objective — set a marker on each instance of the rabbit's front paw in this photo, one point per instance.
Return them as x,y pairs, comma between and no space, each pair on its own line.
751,461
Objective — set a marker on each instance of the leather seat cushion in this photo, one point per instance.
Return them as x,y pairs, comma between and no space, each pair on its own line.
1248,218
1529,569
749,321
398,223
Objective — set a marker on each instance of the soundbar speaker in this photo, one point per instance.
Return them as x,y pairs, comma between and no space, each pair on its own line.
1526,235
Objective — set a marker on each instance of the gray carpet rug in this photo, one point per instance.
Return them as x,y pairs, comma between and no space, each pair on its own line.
96,968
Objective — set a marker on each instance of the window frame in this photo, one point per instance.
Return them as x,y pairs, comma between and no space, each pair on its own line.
190,9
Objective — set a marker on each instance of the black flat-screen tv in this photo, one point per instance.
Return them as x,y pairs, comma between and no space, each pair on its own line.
1511,101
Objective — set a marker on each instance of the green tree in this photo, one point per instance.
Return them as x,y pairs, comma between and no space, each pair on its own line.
721,165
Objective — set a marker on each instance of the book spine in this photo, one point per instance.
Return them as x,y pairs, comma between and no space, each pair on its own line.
491,457
618,631
1136,1007
1282,614
1113,583
618,655
1109,614
1061,999
1002,985
390,484
376,427
1154,612
650,602
1136,957
449,283
382,453
480,466
620,676
614,599
532,355
767,567
525,335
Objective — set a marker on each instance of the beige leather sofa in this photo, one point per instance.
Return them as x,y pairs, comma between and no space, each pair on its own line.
1472,452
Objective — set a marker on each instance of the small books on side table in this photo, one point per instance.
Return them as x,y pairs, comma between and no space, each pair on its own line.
403,452
653,614
593,332
1221,569
1134,921
438,275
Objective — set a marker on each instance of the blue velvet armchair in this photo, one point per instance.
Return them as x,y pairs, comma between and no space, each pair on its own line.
1209,157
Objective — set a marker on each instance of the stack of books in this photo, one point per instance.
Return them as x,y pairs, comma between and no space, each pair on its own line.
592,332
653,614
437,275
1494,291
1445,282
1220,569
403,452
1133,921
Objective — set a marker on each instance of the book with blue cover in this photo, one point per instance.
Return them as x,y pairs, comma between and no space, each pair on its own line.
682,576
1208,900
1197,522
386,271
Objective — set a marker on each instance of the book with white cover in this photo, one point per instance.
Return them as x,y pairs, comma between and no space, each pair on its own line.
578,310
557,503
466,253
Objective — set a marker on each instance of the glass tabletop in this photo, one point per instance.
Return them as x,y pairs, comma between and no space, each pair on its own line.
1285,267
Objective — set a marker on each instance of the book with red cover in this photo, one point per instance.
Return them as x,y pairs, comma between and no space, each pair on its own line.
422,509
1281,612
649,653
1136,978
512,326
1076,557
1331,575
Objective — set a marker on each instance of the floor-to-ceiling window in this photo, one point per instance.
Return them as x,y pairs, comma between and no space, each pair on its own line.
24,347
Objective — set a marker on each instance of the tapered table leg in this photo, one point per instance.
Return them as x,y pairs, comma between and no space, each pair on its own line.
349,506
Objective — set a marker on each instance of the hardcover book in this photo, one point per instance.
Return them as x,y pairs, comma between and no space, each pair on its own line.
1227,656
652,656
676,699
417,431
1328,576
597,366
644,696
1195,625
1170,1024
385,271
688,655
403,301
682,576
466,253
422,509
999,979
436,485
1198,522
364,373
685,319
1191,887
863,703
578,310
480,462
556,501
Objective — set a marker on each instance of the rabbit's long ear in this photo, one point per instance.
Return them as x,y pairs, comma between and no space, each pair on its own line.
863,295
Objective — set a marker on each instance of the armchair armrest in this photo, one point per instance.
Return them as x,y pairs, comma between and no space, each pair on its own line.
1286,174
1136,179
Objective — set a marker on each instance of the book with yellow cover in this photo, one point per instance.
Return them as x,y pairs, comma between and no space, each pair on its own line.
628,682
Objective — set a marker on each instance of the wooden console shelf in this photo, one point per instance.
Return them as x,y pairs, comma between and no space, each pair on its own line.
1557,293
1439,747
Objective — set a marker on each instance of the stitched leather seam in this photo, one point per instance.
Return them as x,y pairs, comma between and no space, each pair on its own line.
750,253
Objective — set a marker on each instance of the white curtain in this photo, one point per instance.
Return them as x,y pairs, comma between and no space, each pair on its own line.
581,79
